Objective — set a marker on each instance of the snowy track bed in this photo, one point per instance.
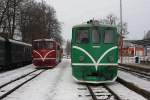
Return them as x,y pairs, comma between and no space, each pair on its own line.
102,93
124,93
113,91
136,67
140,74
41,88
7,89
11,75
135,83
58,84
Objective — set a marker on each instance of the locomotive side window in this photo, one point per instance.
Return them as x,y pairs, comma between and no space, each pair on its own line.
58,47
95,36
109,36
82,36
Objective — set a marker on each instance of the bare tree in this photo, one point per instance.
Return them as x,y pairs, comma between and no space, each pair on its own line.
9,16
4,4
38,20
30,18
113,20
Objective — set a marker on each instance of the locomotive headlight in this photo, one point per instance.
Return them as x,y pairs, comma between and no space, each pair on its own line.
81,58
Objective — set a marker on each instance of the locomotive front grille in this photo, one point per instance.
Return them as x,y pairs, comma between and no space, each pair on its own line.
98,76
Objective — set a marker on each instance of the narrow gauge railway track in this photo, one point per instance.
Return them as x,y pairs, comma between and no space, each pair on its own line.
102,92
13,85
138,73
22,76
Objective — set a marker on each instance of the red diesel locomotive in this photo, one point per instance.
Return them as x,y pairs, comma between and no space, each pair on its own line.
46,53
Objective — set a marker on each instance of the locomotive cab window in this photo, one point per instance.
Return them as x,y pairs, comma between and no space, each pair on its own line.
95,36
50,45
43,45
82,36
109,36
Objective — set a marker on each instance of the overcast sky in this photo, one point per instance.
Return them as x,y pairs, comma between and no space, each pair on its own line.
71,12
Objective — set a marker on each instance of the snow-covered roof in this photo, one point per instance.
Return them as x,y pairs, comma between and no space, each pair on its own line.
90,25
19,42
44,40
14,41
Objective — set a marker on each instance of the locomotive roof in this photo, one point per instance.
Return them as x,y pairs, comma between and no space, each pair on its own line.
44,40
19,42
91,25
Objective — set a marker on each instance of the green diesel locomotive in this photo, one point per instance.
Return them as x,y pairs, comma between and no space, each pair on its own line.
94,53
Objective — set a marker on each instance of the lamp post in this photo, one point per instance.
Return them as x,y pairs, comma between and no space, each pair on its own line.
121,47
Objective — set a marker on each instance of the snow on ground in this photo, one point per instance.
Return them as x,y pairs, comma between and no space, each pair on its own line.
124,93
10,75
68,89
41,87
16,83
58,84
144,84
54,84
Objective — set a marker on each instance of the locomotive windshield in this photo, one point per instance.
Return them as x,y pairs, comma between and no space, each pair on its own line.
43,45
82,36
95,36
109,36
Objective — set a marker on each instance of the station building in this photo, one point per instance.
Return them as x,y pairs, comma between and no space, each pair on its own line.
136,48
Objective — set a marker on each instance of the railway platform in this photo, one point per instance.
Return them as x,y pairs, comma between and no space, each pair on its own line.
142,67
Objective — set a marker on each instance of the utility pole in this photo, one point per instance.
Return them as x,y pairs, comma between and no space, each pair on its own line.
121,48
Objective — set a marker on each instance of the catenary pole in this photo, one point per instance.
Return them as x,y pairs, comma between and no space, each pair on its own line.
121,46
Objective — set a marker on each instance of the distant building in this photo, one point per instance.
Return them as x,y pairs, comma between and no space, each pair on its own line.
132,50
136,48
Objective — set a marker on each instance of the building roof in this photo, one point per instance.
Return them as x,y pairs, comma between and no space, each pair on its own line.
127,43
145,42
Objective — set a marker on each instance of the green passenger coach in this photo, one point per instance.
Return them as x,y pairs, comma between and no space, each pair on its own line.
94,53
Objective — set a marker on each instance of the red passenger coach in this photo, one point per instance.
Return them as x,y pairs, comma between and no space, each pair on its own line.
46,53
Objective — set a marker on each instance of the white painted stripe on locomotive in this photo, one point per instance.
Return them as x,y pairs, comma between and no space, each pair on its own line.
95,82
91,64
106,52
38,53
88,54
43,58
96,46
100,58
44,66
